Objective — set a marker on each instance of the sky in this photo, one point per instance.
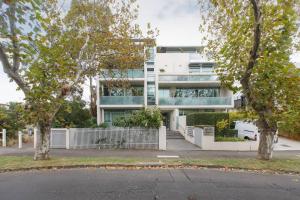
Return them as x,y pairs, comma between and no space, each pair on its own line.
176,20
178,24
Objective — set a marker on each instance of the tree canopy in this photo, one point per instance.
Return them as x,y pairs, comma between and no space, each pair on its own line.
251,42
49,53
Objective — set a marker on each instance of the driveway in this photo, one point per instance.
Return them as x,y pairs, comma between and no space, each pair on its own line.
181,145
285,144
90,184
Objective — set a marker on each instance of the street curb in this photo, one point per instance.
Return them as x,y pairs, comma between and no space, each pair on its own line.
150,167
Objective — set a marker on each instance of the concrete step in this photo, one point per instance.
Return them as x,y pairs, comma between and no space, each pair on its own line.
174,135
177,138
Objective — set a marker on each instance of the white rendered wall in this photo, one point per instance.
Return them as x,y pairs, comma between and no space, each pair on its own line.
162,138
224,92
173,119
172,62
176,63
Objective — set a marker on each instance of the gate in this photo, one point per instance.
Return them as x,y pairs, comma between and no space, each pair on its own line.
58,138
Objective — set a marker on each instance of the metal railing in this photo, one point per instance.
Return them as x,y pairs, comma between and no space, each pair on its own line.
130,73
195,101
122,100
84,138
188,78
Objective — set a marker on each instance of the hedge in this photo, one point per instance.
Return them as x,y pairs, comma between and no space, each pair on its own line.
228,133
206,118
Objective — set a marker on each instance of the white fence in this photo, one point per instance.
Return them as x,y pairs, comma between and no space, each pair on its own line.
124,138
205,139
58,137
3,138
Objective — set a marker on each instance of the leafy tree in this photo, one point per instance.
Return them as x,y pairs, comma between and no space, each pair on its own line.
74,114
12,118
289,124
49,53
146,118
251,42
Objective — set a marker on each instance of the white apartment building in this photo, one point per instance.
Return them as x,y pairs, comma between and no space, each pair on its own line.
178,80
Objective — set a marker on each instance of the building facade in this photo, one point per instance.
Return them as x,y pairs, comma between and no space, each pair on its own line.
178,80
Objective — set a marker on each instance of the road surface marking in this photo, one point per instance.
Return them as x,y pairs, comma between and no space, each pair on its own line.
166,156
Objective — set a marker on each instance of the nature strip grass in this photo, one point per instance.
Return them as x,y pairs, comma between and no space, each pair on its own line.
286,166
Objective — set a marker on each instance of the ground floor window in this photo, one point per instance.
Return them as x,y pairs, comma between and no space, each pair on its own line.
111,115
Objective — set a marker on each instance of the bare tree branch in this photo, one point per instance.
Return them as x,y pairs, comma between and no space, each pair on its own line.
254,51
13,37
11,73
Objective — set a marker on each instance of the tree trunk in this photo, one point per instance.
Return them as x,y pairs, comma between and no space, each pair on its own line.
266,142
43,142
93,99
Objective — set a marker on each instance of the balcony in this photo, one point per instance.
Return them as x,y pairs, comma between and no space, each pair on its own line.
194,101
130,73
188,78
121,100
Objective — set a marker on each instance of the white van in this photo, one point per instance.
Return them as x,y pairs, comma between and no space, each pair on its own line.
246,130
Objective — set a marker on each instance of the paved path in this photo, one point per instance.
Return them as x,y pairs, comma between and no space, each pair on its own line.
285,144
187,151
90,184
181,145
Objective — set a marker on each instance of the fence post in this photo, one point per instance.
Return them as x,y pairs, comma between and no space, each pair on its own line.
162,138
4,137
67,138
34,137
20,139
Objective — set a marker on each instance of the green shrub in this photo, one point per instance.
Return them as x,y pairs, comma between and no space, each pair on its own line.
221,125
74,114
289,125
146,118
241,115
12,118
228,133
103,125
206,118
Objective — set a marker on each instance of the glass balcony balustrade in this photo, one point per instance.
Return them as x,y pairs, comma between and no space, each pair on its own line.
186,101
130,73
121,100
188,78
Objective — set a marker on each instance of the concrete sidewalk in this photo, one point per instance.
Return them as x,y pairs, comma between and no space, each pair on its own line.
285,144
285,148
28,151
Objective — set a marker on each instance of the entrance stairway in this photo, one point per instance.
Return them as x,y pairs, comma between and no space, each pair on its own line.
174,135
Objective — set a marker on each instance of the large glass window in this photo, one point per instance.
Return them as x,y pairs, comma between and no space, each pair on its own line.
190,92
201,68
194,69
111,115
164,92
151,93
132,91
151,89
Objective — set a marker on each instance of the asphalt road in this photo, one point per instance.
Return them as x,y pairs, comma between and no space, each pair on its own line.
204,184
